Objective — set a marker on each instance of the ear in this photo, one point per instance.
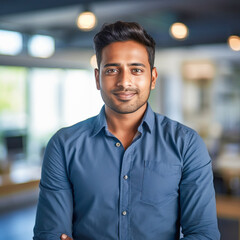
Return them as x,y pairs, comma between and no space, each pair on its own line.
154,77
96,72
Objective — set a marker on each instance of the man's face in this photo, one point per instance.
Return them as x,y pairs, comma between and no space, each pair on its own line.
125,78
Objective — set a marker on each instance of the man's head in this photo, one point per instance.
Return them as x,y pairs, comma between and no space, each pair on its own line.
125,74
121,32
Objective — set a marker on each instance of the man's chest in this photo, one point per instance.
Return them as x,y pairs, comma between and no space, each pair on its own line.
107,171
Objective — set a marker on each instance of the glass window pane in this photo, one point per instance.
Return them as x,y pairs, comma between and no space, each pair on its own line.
44,101
12,97
81,98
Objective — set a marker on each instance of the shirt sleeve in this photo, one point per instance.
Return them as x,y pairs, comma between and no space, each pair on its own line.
55,204
197,195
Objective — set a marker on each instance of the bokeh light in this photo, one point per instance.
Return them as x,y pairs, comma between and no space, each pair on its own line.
10,42
86,21
41,46
234,42
179,31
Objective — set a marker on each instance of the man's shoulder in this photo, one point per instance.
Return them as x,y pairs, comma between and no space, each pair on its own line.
172,126
78,129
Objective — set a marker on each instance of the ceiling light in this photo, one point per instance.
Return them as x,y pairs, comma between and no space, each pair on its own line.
179,31
93,61
234,42
10,42
86,21
41,46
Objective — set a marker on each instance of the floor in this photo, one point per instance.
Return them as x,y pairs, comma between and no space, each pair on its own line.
18,224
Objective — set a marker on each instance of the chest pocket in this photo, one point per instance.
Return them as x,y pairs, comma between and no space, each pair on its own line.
160,182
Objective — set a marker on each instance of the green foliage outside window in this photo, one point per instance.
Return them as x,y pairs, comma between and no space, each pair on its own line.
12,89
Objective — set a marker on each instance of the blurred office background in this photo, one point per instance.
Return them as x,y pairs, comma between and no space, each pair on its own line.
47,82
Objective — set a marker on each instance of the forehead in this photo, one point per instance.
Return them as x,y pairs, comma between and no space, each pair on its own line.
128,51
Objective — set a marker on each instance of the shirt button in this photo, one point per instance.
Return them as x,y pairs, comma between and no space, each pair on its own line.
124,213
125,177
118,144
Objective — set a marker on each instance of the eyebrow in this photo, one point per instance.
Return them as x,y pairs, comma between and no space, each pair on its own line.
137,64
118,65
111,65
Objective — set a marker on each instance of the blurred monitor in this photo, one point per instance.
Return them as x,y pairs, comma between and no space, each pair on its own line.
15,145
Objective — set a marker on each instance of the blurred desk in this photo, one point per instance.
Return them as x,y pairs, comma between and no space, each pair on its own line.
228,207
20,186
7,187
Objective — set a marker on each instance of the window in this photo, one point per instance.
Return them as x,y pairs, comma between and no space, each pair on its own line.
42,100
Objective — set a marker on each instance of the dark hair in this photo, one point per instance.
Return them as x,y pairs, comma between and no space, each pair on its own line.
120,32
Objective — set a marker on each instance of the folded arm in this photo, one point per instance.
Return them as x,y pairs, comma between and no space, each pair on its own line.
55,205
197,195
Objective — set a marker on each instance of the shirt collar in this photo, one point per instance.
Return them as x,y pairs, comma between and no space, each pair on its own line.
100,122
147,121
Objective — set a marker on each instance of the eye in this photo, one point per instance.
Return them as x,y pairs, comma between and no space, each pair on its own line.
137,70
111,71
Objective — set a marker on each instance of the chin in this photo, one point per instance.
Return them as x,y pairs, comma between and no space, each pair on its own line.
126,109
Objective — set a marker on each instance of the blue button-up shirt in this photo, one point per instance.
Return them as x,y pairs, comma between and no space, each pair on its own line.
93,189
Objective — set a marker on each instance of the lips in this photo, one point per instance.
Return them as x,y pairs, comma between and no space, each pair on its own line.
124,96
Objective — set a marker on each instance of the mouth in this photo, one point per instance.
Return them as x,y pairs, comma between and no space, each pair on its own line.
124,96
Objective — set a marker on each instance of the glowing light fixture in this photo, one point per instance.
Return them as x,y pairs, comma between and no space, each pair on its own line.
86,21
41,46
178,31
10,42
93,61
234,42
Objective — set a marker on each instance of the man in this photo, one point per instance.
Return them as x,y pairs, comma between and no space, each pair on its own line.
128,173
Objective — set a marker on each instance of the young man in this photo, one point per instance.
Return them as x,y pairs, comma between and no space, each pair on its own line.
128,173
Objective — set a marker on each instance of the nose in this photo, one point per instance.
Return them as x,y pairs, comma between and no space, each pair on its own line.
125,78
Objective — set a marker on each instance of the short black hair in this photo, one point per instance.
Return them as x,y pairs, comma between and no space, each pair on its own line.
120,32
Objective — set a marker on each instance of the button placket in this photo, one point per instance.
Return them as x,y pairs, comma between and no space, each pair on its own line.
125,194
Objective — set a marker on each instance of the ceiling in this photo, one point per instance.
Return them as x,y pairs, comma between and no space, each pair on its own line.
209,21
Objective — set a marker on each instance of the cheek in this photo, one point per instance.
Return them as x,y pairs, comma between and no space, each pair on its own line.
143,82
107,84
108,81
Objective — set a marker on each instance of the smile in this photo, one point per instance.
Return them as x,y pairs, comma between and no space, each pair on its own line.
125,95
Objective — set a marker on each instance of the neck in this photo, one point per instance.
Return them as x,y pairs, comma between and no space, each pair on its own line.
119,121
124,126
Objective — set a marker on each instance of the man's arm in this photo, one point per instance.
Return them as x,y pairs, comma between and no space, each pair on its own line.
55,205
197,195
